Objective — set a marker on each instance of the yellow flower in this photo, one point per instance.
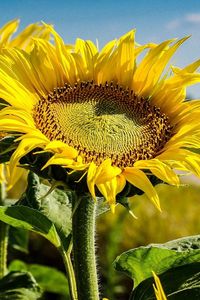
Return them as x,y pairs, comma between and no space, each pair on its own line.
100,112
24,39
160,294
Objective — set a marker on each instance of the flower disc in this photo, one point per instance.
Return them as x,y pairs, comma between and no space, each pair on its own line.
103,121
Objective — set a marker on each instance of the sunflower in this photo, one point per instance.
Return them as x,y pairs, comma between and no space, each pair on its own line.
101,113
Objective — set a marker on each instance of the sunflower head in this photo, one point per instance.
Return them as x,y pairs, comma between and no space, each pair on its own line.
100,116
103,121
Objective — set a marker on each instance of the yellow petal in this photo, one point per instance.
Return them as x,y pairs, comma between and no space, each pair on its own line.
150,61
106,172
105,64
44,60
91,178
25,146
159,169
88,53
67,159
126,58
110,189
62,148
24,39
65,58
159,292
20,172
156,71
7,31
60,161
13,124
138,179
171,92
191,68
2,174
99,175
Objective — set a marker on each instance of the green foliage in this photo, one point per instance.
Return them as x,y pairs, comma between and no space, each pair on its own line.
177,261
138,263
18,239
55,205
19,286
181,283
48,278
47,214
30,219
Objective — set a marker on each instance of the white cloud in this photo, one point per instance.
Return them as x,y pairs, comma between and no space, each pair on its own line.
193,18
173,24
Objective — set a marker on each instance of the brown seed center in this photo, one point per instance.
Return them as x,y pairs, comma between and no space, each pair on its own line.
103,121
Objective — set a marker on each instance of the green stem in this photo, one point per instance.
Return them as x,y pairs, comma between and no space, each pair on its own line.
3,248
70,272
3,237
83,229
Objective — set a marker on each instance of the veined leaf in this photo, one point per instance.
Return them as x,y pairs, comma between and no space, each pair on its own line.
30,219
19,286
181,283
138,263
50,279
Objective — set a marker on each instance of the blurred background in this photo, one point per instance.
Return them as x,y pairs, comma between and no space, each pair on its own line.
155,21
120,232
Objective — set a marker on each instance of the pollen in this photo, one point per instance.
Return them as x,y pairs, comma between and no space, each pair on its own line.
103,121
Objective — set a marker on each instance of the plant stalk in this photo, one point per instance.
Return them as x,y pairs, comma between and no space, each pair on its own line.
83,230
3,237
70,272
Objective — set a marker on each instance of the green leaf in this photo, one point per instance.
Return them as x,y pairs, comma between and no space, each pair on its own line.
19,286
30,219
18,239
102,206
138,263
56,205
181,283
50,279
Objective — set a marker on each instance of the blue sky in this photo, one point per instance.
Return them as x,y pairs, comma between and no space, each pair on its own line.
104,20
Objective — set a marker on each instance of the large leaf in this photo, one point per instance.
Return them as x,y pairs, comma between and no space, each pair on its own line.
50,279
55,205
181,283
30,219
19,286
18,239
138,263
